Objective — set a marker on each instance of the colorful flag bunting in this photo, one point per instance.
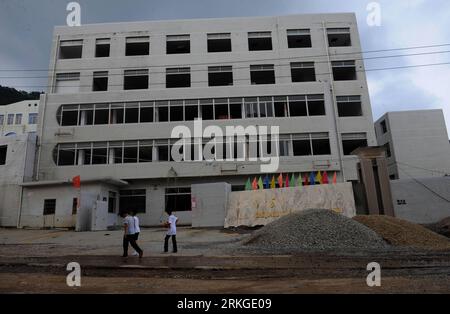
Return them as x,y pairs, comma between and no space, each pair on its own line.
266,182
272,183
292,181
319,177
287,181
248,185
312,178
260,184
325,178
306,180
334,178
254,184
280,180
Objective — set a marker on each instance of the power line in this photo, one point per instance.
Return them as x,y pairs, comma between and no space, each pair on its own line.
280,76
239,61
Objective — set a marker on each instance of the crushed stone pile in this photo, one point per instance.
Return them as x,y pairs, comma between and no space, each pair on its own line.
442,227
398,232
314,230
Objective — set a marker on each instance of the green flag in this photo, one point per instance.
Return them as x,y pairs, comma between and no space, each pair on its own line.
299,180
248,185
293,182
260,184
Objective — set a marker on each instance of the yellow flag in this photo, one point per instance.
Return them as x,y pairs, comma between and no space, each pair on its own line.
319,177
272,183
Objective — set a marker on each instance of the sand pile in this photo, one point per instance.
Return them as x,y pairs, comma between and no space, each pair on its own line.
314,229
399,232
442,227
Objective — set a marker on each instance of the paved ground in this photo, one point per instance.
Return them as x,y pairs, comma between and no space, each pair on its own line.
35,261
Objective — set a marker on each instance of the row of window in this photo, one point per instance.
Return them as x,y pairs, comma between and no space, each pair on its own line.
16,119
217,76
206,109
145,151
216,42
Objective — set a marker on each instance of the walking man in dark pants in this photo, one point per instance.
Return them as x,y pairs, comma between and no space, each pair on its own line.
171,224
129,234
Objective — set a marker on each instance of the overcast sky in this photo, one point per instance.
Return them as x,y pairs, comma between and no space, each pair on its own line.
26,28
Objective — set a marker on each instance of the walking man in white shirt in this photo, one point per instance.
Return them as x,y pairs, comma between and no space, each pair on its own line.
129,235
137,230
171,224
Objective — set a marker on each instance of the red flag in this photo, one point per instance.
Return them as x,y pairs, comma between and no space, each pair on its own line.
287,181
334,178
280,180
306,181
76,182
255,184
325,178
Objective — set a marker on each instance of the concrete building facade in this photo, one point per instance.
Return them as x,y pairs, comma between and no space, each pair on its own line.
19,118
118,90
417,143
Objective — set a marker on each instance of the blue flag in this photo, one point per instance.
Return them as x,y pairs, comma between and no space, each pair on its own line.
312,178
266,182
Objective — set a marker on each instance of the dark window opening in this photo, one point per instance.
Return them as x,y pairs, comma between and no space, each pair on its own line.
190,112
178,199
66,156
146,114
235,110
221,111
218,44
176,113
280,108
117,153
132,115
344,71
99,156
163,114
207,109
112,201
69,118
100,83
259,41
130,155
303,72
301,147
349,106
102,50
86,116
220,76
163,152
135,79
350,145
137,47
178,44
74,205
101,114
69,51
321,147
176,78
339,37
145,153
387,148
299,39
3,150
297,108
262,74
383,126
132,200
117,113
49,207
84,156
316,107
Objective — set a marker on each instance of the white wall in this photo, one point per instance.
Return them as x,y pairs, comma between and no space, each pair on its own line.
23,107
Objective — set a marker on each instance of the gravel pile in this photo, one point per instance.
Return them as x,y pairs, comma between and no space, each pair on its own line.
442,227
399,232
314,230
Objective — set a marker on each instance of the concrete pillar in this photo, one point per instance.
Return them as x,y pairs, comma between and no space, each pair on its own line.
386,194
369,186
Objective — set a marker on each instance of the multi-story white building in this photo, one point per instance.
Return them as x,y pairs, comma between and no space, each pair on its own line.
118,90
19,118
416,142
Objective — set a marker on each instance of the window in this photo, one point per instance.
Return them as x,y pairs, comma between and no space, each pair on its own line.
18,118
284,147
115,152
178,199
84,154
297,106
146,112
176,110
70,49
344,70
207,109
130,152
2,119
259,41
137,46
117,113
280,106
262,74
178,77
162,149
303,72
112,201
99,153
162,111
191,110
178,44
301,145
320,144
67,83
132,112
265,107
349,106
10,119
387,147
74,205
3,150
221,109
352,141
86,116
235,108
132,200
299,38
220,76
382,125
100,81
101,114
49,206
339,37
219,42
102,47
251,107
316,105
146,151
32,118
135,79
69,115
66,155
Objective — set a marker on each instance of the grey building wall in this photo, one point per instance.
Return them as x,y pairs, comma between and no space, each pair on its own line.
418,142
211,204
424,200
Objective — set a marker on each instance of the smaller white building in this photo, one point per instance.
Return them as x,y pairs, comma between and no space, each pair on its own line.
19,118
416,142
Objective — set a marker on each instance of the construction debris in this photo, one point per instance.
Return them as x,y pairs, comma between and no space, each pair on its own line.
398,232
314,230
